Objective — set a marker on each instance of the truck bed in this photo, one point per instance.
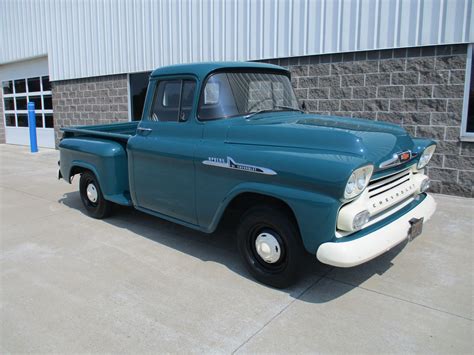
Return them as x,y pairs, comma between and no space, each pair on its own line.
116,131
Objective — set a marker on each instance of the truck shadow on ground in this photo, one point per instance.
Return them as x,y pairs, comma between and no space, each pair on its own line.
220,247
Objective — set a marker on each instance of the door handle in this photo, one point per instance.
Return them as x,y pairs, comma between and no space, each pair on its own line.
144,130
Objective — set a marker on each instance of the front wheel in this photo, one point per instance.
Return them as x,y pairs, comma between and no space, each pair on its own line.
92,198
270,244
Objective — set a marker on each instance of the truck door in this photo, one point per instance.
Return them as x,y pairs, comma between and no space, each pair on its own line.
161,155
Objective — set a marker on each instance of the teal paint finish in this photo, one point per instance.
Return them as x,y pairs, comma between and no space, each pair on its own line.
119,131
202,70
374,142
313,163
161,162
162,166
106,159
310,182
309,208
163,171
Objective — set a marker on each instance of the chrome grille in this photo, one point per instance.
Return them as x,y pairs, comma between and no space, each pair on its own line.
384,196
380,185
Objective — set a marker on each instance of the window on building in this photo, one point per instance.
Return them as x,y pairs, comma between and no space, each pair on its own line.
22,119
39,121
37,101
46,83
138,86
7,87
34,84
48,120
21,103
10,120
9,104
20,86
48,102
467,127
16,95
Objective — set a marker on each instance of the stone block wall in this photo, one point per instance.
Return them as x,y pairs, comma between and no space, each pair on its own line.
419,88
97,100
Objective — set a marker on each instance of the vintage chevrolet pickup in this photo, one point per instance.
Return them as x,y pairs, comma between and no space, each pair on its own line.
220,137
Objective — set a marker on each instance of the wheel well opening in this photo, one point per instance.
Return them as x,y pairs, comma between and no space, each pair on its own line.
77,170
241,203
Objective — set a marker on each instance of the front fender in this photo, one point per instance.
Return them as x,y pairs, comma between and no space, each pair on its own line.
315,213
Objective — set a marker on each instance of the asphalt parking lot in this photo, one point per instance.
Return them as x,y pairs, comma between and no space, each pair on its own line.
135,283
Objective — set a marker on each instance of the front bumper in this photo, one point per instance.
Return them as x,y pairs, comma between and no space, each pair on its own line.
362,249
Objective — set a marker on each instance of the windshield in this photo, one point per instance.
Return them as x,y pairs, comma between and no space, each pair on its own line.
243,93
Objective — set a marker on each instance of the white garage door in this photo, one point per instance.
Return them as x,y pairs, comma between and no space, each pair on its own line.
16,95
21,83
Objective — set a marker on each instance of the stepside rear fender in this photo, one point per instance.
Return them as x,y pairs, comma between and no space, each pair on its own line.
105,158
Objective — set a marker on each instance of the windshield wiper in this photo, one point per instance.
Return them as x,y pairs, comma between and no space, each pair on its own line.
251,114
289,108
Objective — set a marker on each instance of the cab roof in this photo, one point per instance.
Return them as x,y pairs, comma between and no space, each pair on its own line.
201,70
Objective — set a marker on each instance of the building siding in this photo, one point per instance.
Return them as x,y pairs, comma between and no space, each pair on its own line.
98,100
420,89
94,38
2,126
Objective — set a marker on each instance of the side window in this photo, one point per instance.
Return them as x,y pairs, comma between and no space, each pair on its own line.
173,100
166,103
187,99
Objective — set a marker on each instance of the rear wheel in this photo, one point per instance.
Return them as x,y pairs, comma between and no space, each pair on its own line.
270,244
92,198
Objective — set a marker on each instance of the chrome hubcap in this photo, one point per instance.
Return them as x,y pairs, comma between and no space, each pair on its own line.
268,248
92,193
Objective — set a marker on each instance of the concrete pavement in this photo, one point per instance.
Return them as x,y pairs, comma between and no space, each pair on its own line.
135,283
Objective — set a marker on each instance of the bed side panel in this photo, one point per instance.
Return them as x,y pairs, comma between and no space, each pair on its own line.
105,158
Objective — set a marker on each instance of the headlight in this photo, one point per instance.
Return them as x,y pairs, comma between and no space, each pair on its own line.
426,156
361,181
358,181
351,185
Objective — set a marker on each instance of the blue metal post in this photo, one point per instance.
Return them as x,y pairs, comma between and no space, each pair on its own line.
32,125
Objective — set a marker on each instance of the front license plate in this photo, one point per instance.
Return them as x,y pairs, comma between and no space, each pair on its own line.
416,227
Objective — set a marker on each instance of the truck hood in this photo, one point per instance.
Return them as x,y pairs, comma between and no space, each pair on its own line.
374,141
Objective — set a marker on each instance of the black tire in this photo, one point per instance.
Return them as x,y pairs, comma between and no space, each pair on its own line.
100,208
267,219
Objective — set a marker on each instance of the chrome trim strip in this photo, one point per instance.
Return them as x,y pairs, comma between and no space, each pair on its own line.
392,161
395,160
376,183
230,163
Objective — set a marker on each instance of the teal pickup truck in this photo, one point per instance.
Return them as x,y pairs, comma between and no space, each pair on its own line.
221,137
